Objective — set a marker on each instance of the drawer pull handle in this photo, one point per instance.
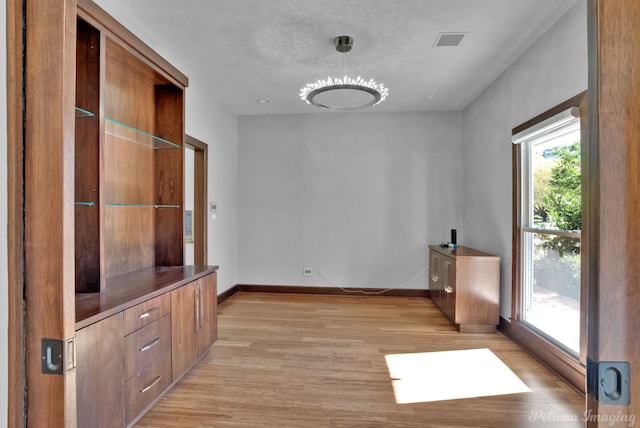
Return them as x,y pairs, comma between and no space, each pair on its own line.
149,312
148,387
150,345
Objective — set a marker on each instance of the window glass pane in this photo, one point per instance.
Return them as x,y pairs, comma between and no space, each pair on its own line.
555,202
552,294
551,177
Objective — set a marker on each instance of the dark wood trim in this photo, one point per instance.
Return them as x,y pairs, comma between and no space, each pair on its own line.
515,227
200,209
546,353
301,289
97,17
571,102
197,144
585,238
15,199
50,42
226,294
614,132
593,312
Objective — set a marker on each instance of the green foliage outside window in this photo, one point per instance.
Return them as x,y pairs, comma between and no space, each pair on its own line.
558,205
558,201
563,201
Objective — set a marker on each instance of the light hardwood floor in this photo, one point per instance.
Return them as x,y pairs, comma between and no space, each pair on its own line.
291,360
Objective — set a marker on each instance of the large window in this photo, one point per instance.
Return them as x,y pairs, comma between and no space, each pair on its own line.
549,229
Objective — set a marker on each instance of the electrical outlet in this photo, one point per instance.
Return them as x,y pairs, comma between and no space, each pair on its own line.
213,209
307,271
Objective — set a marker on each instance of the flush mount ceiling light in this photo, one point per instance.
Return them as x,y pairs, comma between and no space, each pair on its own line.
346,93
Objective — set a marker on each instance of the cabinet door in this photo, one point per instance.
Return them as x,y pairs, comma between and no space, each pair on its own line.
207,333
449,287
184,339
100,374
435,277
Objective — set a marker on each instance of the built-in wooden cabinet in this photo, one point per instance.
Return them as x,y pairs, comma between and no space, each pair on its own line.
87,160
147,353
193,310
128,155
208,327
184,327
100,374
465,284
137,338
146,345
129,227
147,361
103,217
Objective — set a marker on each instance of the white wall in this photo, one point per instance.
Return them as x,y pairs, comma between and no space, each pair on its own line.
4,290
358,195
551,71
217,127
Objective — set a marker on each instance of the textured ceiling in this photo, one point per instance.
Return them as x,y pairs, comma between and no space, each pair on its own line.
245,50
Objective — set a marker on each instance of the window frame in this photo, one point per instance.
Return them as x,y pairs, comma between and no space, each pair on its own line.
565,363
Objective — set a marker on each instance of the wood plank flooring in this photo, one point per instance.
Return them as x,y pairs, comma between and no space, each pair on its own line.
292,360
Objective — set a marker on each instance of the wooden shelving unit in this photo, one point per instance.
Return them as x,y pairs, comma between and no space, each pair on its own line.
102,221
130,283
128,158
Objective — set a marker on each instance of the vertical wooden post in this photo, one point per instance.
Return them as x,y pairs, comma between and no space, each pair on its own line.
49,204
15,161
614,218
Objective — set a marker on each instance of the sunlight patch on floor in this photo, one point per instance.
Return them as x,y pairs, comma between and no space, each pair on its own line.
449,375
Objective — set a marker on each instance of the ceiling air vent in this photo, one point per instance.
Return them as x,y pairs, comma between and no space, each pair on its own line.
450,39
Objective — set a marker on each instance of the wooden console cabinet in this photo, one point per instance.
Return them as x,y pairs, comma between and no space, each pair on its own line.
465,284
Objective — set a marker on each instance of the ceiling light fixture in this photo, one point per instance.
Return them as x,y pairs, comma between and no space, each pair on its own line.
347,93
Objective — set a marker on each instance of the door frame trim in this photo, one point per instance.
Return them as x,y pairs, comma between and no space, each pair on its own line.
15,197
200,209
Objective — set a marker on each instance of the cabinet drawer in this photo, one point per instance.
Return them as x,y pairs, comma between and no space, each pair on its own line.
146,386
146,345
146,313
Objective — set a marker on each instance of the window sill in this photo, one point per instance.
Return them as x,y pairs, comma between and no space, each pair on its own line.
554,358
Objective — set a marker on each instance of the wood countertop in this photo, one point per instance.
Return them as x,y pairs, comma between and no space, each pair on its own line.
460,252
130,289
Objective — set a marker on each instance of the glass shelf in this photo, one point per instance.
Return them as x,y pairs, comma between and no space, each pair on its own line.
128,133
85,203
83,113
143,205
